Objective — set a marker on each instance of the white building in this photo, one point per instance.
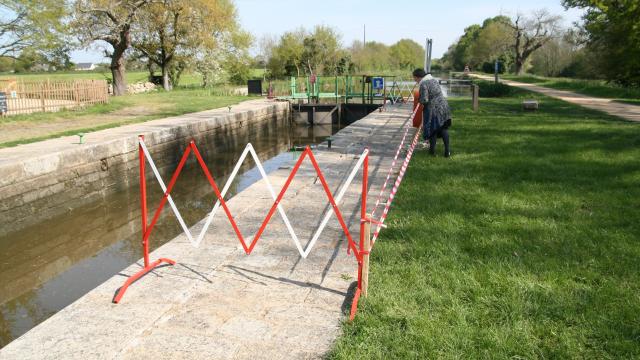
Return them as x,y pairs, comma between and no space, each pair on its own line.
85,66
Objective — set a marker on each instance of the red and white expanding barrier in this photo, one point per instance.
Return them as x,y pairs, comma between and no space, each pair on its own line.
248,247
361,250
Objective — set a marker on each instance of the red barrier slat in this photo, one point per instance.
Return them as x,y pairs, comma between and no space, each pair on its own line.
335,207
280,196
223,203
174,178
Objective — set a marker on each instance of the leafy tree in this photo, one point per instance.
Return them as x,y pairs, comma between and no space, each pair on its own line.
407,54
320,49
111,22
613,32
494,42
170,32
28,60
6,64
374,56
286,58
59,59
345,65
208,64
31,24
459,54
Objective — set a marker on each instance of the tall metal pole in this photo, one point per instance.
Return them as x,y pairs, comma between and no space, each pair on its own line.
364,36
427,55
430,50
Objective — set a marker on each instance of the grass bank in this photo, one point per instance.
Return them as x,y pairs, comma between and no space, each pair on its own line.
597,88
523,245
121,110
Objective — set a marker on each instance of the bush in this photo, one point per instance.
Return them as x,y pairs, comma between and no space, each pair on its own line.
490,68
490,89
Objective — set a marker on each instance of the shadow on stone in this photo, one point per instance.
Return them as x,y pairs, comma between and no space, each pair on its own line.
288,281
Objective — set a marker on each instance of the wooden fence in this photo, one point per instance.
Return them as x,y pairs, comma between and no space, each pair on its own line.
25,97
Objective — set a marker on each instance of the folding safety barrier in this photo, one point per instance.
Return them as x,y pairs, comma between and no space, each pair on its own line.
361,251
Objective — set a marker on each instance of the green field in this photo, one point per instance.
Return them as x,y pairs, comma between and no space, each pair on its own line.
131,76
523,245
597,88
121,110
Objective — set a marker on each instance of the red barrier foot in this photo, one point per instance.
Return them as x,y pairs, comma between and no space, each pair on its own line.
133,278
354,304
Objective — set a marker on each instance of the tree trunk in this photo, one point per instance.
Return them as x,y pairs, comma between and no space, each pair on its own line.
118,70
150,69
519,67
118,64
166,84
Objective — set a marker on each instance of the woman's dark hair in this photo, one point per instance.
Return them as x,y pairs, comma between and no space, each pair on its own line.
419,73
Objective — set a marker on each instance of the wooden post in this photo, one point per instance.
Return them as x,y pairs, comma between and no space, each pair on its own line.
365,257
42,90
76,95
475,97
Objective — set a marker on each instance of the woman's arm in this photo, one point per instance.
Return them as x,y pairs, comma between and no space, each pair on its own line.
424,93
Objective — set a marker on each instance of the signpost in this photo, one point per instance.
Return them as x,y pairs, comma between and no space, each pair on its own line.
378,83
3,103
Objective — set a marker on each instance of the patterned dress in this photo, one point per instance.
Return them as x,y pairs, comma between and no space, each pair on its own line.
436,107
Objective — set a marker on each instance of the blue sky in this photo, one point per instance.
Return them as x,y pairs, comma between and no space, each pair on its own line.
386,21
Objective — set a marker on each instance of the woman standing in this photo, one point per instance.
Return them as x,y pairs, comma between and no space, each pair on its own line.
436,115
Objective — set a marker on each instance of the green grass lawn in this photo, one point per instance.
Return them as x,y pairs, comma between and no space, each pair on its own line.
597,88
525,244
187,79
121,110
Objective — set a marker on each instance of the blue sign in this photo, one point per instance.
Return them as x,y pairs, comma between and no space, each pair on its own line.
378,83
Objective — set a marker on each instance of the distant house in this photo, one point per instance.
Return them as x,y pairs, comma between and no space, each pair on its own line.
85,66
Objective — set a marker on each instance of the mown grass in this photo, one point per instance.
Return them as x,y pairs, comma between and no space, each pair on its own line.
186,79
525,244
597,88
159,104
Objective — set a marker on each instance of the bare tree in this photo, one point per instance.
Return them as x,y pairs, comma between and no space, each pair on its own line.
531,33
111,22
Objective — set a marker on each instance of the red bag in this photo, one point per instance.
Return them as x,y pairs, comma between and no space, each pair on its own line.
417,120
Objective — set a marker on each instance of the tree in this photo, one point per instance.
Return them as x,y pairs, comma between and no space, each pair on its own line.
266,46
459,54
613,34
31,24
208,64
111,22
287,55
531,33
171,32
28,60
373,56
494,42
237,60
554,57
320,50
407,54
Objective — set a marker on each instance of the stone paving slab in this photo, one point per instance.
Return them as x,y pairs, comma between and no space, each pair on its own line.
217,302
